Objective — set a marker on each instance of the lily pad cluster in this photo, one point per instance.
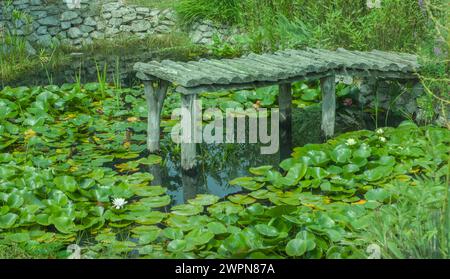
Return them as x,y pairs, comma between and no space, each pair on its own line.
67,153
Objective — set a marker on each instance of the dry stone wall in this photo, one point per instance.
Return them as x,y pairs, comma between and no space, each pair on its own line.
79,22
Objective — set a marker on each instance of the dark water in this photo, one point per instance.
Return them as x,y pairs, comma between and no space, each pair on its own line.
217,165
220,163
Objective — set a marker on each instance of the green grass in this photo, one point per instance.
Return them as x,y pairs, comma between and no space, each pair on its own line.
413,225
271,24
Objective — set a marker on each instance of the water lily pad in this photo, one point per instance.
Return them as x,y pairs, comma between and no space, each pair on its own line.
66,183
204,200
8,220
187,209
377,195
177,245
260,170
173,233
217,228
150,160
267,230
156,201
241,199
296,247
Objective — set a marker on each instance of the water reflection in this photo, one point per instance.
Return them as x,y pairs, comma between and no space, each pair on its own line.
217,165
221,163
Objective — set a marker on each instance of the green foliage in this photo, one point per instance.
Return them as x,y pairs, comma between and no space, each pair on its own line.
271,24
53,191
413,226
216,10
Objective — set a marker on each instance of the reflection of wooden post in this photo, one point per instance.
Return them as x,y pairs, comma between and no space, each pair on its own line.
285,105
192,185
328,86
156,171
155,100
190,133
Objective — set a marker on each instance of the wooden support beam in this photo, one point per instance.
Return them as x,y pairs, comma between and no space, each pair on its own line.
191,131
328,86
285,105
155,93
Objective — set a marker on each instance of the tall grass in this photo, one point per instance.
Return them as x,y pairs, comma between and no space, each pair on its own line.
398,25
216,10
414,225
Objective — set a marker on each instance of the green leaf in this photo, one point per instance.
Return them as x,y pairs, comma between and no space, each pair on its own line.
395,250
8,220
187,209
63,224
199,236
18,237
150,160
241,199
155,202
317,173
296,247
341,154
236,244
364,151
14,201
260,170
146,234
177,245
267,230
217,228
318,158
204,200
351,168
294,175
66,183
377,195
173,233
377,173
247,183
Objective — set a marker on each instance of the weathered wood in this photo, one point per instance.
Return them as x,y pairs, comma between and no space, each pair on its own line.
155,95
328,86
285,105
277,67
191,133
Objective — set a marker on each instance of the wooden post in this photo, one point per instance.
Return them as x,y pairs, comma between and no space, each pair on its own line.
155,96
285,105
190,131
328,86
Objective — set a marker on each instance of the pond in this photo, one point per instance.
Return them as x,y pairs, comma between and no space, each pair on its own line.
220,163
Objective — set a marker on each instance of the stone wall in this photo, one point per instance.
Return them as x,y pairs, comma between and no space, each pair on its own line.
56,21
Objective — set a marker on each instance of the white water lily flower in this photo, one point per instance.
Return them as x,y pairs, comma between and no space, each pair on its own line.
382,139
118,203
350,142
379,131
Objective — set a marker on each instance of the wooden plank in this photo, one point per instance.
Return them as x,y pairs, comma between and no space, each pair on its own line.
246,86
328,86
